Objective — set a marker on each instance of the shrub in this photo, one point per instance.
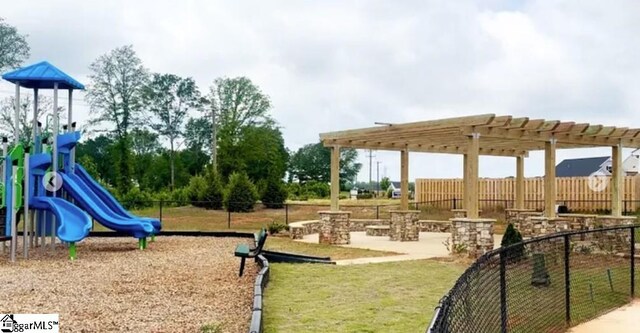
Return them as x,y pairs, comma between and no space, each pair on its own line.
136,199
196,190
513,236
366,195
276,227
180,197
274,193
389,193
241,194
213,194
316,189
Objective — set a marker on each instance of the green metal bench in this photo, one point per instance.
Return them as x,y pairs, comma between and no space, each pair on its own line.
244,251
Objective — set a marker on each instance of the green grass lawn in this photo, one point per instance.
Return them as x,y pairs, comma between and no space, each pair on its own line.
386,297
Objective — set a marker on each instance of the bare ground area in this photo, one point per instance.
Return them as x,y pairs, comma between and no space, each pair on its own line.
177,284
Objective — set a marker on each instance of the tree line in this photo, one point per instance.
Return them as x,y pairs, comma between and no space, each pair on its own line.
160,136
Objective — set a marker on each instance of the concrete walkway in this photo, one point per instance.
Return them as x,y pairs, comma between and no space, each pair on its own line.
623,320
430,245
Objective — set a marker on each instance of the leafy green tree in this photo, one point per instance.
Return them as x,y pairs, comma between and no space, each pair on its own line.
385,183
234,104
313,162
197,134
512,236
103,152
196,190
114,93
241,194
14,48
260,153
214,192
274,194
144,142
168,98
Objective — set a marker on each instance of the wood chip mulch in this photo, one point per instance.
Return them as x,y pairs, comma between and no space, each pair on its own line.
177,284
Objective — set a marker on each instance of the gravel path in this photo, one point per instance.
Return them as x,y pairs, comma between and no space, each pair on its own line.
177,284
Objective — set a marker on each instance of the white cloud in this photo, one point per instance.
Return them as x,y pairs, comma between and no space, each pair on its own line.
334,65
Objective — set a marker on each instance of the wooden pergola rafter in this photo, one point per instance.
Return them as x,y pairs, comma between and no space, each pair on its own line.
488,134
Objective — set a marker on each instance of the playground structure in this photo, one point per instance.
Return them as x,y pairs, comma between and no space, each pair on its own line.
44,187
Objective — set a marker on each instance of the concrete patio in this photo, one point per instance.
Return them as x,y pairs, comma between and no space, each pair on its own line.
430,245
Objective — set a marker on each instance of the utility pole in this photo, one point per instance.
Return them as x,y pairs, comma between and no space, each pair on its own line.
378,176
371,156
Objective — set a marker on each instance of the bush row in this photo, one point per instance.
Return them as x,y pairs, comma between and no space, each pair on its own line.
209,192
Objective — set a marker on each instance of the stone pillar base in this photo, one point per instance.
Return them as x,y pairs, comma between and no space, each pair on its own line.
403,225
542,225
461,213
618,240
518,217
472,235
579,222
334,227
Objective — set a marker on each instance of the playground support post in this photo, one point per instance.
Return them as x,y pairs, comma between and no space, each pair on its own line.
14,213
27,226
54,157
4,170
16,115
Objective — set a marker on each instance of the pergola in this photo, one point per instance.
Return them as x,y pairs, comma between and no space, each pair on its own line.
486,134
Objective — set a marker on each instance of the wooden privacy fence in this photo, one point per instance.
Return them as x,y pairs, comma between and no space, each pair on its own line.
575,192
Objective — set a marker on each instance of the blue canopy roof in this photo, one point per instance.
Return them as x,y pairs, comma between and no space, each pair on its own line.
42,76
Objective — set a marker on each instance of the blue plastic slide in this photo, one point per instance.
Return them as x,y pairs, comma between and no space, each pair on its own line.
109,200
90,202
73,224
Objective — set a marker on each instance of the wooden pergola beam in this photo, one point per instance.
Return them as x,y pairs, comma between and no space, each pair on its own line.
508,152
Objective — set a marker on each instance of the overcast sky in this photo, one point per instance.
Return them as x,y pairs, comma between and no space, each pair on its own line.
331,65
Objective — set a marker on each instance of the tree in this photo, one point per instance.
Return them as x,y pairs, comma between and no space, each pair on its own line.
168,98
241,194
214,192
512,236
7,114
385,183
313,162
197,134
274,194
102,151
115,96
14,48
260,153
234,104
144,142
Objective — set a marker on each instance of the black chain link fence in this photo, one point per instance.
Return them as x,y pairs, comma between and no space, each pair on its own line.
545,284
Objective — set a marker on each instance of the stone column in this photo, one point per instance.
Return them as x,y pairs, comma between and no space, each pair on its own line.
618,240
472,235
403,225
334,227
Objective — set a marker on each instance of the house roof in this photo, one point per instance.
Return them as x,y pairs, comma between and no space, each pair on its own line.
42,75
396,184
580,167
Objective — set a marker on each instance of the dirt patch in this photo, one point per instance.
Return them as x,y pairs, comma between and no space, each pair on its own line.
178,284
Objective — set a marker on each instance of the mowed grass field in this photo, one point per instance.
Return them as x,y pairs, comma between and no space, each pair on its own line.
386,297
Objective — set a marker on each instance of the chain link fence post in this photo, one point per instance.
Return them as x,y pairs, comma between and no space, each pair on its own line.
161,201
633,262
503,292
377,212
228,219
286,214
567,282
